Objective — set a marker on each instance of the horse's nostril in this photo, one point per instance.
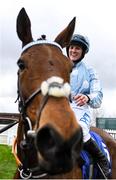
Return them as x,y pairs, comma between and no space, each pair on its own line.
48,142
44,139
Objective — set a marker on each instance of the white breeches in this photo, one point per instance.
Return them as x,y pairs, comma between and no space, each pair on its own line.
84,119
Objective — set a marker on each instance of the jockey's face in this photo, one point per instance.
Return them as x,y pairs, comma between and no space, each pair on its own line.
75,52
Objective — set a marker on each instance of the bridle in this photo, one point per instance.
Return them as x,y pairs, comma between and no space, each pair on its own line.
23,104
51,84
58,82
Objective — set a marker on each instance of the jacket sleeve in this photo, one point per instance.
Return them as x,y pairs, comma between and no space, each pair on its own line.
96,94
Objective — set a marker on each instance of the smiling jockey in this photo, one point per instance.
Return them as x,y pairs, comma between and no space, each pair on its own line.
86,92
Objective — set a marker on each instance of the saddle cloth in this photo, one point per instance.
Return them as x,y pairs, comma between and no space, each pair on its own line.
87,157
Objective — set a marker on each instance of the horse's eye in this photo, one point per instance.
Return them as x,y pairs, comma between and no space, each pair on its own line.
21,64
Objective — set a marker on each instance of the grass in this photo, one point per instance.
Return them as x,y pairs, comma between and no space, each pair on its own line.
7,162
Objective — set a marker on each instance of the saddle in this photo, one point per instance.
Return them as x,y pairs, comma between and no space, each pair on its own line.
90,169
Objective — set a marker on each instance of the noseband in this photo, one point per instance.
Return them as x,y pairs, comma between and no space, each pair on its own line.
53,86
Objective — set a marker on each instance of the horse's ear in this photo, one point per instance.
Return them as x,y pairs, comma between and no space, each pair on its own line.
64,37
23,27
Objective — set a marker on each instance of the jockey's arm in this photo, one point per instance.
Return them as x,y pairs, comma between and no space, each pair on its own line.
96,94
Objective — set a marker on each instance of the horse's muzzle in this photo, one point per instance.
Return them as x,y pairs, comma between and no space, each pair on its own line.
57,152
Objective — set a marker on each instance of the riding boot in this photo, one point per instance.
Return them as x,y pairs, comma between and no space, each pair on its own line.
91,147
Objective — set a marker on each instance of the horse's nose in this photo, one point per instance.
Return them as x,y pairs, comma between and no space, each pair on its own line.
52,145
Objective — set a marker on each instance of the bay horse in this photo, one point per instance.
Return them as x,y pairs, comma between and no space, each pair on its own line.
49,138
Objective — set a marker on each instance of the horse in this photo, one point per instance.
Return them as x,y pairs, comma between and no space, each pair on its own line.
49,139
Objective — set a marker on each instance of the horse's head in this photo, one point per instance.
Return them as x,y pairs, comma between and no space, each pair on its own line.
49,124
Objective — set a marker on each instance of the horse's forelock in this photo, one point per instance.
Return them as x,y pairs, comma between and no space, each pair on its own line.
43,37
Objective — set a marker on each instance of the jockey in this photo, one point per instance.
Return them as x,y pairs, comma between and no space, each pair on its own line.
86,92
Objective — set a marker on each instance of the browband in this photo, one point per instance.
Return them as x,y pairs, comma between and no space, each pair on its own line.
39,43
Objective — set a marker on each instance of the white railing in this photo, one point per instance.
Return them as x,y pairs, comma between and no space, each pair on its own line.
111,132
7,137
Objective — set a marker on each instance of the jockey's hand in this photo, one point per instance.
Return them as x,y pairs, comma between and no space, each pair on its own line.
81,99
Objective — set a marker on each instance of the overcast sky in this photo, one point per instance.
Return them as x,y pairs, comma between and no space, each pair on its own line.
94,18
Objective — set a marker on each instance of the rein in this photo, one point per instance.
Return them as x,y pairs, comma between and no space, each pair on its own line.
8,126
29,173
